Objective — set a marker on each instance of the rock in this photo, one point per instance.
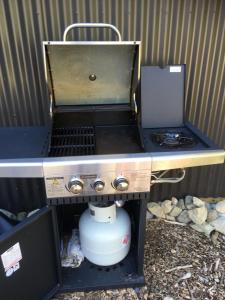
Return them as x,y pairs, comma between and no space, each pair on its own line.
189,202
166,206
170,218
181,204
220,207
149,215
156,210
214,236
203,228
168,298
175,211
198,215
184,217
203,279
137,290
221,215
198,202
219,224
210,206
212,215
185,277
174,200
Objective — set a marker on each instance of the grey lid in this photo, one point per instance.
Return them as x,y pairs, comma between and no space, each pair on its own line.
90,73
162,96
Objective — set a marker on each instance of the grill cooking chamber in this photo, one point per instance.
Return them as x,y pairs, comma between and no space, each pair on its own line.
93,88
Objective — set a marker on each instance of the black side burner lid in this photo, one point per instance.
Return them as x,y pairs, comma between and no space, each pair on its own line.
162,96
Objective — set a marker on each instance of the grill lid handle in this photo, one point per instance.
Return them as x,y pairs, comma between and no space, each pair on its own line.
91,25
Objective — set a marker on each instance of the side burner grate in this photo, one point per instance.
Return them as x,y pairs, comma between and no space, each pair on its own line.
72,141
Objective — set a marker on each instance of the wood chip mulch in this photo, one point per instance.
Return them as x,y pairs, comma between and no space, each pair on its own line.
180,263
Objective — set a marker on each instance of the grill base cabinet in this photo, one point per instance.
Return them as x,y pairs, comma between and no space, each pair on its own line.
40,274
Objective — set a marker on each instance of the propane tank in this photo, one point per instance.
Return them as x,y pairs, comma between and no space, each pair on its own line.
105,234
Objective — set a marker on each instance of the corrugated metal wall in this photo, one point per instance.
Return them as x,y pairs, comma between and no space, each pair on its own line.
172,32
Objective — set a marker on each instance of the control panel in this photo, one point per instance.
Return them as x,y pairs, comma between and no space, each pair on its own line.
101,177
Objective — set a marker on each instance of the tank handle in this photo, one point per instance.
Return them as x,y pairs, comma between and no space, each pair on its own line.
91,25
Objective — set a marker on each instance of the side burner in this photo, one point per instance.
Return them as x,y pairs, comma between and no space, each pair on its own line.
173,140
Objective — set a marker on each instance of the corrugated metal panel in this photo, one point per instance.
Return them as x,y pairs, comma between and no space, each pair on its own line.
21,194
172,32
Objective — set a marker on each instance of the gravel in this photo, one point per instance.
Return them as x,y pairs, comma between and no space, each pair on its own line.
180,263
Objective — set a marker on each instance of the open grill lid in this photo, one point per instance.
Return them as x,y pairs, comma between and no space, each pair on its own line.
91,73
163,96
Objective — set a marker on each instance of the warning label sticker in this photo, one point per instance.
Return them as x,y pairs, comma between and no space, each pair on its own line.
175,69
11,257
55,186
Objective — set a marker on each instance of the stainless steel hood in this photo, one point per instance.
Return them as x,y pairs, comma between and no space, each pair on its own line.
90,73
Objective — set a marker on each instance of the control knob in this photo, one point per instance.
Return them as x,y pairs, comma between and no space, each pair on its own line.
99,185
121,184
75,185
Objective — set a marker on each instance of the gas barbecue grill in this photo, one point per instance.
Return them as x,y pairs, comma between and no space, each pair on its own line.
107,134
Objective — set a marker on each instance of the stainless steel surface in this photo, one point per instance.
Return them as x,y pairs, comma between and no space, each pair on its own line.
99,185
21,168
75,185
91,25
70,65
121,183
186,159
136,168
42,167
162,179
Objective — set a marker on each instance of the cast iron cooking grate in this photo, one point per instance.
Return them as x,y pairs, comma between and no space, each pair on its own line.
72,141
